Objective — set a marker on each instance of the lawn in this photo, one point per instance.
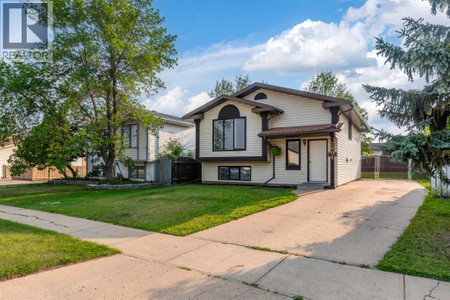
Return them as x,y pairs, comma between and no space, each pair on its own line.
178,210
25,249
424,247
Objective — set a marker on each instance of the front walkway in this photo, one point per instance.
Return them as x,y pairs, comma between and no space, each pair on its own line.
155,266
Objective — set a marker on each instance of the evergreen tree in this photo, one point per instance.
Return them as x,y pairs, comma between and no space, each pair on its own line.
425,53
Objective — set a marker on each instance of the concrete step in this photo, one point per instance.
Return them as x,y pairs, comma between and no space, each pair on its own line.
311,186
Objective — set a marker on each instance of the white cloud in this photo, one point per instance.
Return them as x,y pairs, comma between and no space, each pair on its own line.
315,45
175,102
311,45
297,53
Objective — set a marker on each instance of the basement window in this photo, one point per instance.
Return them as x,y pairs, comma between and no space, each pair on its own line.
235,173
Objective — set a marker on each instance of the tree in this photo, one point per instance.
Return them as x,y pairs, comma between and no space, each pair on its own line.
326,83
425,53
53,143
107,53
174,149
227,87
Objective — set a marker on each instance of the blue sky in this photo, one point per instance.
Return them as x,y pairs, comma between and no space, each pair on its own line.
283,43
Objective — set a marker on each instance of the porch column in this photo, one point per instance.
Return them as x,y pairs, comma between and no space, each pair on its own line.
332,161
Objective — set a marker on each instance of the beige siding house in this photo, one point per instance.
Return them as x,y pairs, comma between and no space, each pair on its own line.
319,138
5,152
144,146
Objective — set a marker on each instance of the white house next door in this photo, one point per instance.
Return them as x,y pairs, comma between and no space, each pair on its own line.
317,160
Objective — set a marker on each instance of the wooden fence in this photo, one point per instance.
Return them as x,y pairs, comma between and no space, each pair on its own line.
185,169
177,171
45,174
383,167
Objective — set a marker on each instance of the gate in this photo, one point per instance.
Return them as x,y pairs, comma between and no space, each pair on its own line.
185,169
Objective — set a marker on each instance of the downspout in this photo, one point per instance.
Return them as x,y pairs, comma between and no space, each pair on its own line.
273,172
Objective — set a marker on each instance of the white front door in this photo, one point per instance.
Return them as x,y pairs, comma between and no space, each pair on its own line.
318,161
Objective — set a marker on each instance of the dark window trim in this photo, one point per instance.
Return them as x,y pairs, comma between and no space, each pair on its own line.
299,167
129,132
218,173
234,141
350,131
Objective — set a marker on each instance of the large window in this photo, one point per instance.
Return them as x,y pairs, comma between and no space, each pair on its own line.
229,130
292,154
235,173
130,134
229,134
138,172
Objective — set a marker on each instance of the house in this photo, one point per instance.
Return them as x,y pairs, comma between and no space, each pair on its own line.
144,147
5,152
35,173
319,138
377,148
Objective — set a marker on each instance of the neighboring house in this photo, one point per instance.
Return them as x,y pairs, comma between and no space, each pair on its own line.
33,174
377,148
144,147
319,137
5,152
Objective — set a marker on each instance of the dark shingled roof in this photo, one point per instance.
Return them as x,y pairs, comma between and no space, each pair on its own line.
172,119
258,107
311,130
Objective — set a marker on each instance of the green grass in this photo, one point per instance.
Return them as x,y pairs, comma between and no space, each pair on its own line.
424,248
178,210
25,249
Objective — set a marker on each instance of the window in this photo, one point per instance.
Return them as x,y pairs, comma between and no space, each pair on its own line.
350,133
235,173
292,154
229,135
260,96
130,134
138,172
229,130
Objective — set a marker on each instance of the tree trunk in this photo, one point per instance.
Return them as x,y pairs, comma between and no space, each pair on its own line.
74,174
109,164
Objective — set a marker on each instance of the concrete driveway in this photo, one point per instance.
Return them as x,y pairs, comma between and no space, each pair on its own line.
356,223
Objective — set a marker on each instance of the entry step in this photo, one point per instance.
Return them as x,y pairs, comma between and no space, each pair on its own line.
311,186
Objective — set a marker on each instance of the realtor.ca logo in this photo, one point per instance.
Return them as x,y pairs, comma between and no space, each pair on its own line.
26,30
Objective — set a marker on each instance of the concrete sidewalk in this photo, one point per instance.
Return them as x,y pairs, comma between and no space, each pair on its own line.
161,266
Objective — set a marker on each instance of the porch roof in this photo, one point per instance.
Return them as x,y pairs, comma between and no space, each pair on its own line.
311,130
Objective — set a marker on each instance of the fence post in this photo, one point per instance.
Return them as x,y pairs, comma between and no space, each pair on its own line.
410,169
377,167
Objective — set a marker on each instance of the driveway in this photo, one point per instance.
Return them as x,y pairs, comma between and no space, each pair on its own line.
355,223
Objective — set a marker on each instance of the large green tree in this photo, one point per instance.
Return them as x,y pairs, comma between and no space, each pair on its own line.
327,83
425,53
107,54
227,87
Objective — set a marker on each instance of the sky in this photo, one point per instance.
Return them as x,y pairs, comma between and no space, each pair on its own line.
283,43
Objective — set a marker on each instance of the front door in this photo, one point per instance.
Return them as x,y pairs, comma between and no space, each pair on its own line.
318,160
